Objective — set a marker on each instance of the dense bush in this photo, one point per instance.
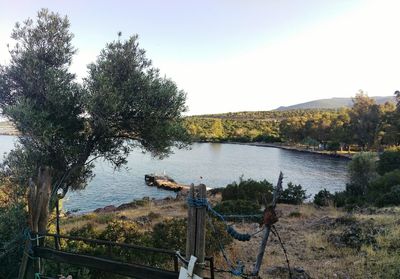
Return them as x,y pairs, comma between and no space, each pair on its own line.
389,199
323,198
243,207
384,183
171,234
249,189
293,194
389,161
384,191
362,170
12,223
339,199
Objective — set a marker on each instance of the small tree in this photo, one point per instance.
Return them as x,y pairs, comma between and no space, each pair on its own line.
362,170
364,119
64,126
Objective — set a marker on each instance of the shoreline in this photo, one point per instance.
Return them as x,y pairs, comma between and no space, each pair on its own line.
345,156
296,149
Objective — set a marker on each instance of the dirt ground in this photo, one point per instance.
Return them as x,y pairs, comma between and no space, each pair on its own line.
321,242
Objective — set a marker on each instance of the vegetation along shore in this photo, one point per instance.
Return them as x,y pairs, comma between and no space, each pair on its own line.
248,228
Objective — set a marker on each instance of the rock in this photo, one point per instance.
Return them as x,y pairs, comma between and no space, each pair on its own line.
106,209
129,205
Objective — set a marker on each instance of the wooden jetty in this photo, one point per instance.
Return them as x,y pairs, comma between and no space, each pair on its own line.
164,182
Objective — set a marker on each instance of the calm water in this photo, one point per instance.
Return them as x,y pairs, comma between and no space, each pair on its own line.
215,165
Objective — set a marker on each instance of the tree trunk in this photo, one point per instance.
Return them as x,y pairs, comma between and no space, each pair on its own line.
38,201
38,206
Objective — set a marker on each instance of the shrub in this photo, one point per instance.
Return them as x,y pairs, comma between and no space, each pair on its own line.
242,207
12,223
293,194
384,183
171,234
362,170
249,189
323,198
339,199
389,161
389,199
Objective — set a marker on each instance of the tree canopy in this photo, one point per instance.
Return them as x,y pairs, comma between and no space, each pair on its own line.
123,103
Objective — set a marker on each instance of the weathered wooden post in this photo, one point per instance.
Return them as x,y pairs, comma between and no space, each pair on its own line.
38,206
269,219
196,229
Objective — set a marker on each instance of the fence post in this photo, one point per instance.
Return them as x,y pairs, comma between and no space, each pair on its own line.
260,256
196,230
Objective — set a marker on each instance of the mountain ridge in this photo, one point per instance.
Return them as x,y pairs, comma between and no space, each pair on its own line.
332,103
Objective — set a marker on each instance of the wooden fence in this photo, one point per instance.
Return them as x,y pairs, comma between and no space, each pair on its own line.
108,264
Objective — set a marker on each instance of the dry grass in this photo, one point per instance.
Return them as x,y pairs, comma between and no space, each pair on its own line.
305,231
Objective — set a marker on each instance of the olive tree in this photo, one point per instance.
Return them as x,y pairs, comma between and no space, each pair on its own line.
64,126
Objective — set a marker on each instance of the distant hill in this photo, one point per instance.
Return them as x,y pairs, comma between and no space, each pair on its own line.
332,103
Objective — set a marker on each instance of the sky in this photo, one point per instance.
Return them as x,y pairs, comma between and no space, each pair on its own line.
240,55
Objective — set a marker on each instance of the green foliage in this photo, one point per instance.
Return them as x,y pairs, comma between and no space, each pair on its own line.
249,190
391,198
169,234
340,199
384,183
364,119
362,170
13,221
323,198
385,190
389,160
242,207
333,146
293,194
366,124
12,225
124,103
217,129
367,187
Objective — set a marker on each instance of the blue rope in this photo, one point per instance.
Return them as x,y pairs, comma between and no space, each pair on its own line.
28,236
199,203
239,269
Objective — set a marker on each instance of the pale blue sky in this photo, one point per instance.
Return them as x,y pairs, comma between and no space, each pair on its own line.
241,55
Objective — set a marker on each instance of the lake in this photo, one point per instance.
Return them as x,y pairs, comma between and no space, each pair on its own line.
213,164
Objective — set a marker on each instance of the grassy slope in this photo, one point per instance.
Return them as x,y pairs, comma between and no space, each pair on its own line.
310,235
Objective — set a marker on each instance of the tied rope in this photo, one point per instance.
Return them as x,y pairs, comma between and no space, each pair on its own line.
28,236
201,202
239,269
